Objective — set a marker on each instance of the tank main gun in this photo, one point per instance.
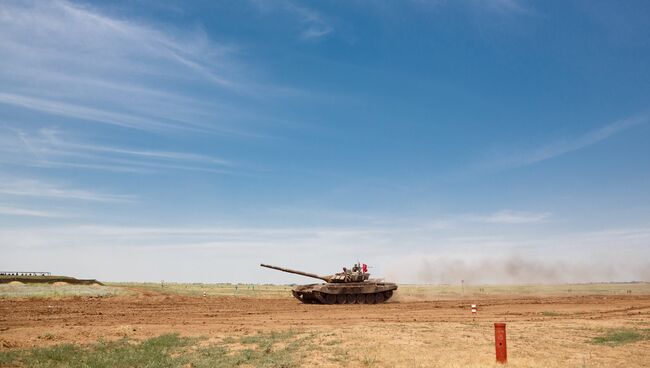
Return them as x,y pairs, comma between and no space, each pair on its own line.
313,275
347,287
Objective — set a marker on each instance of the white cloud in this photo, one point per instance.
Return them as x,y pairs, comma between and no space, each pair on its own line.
12,187
512,217
314,24
73,61
561,147
83,113
19,211
53,148
504,6
231,252
315,32
489,7
79,31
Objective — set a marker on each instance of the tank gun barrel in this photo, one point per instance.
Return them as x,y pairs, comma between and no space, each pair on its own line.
324,278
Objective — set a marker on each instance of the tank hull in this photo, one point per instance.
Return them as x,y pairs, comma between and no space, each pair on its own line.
345,293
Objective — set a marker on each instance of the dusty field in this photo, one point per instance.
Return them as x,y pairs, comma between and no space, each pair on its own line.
543,331
17,289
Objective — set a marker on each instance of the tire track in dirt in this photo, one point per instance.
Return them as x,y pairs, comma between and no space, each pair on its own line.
146,314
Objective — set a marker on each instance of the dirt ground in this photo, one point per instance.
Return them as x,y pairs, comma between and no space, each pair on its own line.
542,331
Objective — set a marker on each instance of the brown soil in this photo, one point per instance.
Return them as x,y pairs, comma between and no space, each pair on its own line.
147,314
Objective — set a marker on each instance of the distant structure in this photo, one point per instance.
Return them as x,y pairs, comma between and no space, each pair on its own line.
36,277
25,273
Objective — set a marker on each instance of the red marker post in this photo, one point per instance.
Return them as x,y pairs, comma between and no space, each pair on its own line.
500,342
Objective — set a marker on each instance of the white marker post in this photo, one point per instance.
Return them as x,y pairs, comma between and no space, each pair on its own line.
474,310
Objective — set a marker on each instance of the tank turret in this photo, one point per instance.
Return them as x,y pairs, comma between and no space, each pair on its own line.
348,287
354,275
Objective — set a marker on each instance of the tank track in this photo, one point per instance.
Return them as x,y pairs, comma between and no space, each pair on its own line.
317,297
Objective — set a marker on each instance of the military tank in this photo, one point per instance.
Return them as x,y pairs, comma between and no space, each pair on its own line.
348,287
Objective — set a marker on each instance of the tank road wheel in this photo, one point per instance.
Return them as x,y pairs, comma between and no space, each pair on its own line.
361,299
370,298
351,298
330,298
340,299
379,298
318,298
388,294
308,299
297,295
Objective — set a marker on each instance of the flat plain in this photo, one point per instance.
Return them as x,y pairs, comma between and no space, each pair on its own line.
222,325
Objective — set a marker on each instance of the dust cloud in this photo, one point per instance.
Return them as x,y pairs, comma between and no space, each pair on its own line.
513,270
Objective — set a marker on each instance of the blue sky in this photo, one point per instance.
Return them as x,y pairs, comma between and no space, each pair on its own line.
491,141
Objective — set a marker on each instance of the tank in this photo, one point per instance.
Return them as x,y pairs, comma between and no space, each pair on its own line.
348,287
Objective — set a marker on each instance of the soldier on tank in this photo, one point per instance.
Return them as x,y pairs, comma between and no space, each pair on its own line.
351,286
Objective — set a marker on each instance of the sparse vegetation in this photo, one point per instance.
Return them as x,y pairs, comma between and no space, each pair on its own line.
156,352
454,291
622,336
405,293
7,357
165,351
229,340
369,361
56,291
272,332
550,314
200,289
340,356
265,342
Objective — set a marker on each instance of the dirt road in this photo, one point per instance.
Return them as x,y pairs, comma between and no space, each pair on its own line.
37,322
